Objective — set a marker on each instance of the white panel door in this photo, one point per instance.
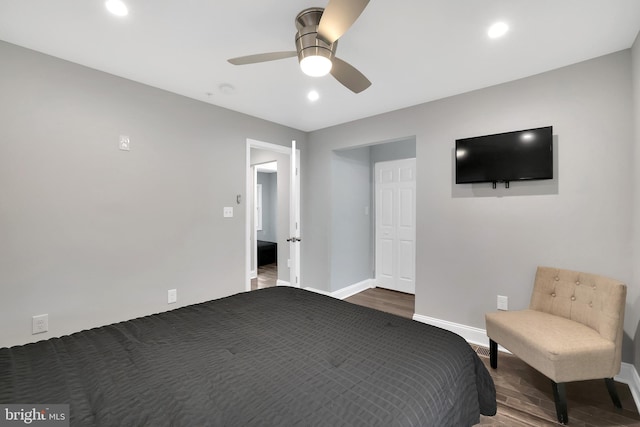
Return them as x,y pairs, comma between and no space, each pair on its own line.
395,188
294,218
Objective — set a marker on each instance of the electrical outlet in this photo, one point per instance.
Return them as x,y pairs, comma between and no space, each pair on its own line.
39,324
503,303
227,212
172,296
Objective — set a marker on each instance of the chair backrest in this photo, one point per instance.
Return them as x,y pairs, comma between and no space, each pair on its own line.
592,300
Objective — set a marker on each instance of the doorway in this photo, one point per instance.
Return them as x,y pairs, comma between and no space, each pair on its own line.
286,212
353,209
265,209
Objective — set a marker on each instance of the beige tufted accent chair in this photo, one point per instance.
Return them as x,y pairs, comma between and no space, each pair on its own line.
572,330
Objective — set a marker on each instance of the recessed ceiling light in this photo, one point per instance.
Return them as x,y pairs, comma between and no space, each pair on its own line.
117,7
313,96
498,29
227,88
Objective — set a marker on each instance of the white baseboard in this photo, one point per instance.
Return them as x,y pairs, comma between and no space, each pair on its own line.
353,289
628,373
347,291
282,283
473,335
318,291
253,274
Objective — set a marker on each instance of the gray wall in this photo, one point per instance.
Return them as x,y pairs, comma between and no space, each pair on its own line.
633,296
93,235
397,150
350,223
269,183
469,249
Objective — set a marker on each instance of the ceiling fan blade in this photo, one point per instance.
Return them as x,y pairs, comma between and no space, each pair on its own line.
351,78
262,57
338,17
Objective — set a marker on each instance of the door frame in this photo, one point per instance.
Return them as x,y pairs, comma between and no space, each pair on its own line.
294,196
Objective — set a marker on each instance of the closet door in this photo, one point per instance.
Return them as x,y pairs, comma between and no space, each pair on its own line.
395,189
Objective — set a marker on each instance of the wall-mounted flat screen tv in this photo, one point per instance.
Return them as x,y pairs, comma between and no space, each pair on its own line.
511,156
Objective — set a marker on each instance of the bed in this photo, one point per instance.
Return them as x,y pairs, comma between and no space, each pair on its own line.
272,357
267,252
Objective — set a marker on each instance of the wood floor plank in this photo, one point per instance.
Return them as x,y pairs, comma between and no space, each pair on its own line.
267,277
393,302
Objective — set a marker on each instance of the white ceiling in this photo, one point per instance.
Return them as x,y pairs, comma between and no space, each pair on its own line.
413,51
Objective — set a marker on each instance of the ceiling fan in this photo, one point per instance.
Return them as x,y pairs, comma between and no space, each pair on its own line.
316,43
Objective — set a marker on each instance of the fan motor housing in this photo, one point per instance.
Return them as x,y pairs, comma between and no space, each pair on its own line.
309,17
307,41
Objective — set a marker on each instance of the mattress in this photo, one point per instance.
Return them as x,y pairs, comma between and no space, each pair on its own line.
272,357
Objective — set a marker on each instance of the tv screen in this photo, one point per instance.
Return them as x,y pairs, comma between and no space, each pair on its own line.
511,156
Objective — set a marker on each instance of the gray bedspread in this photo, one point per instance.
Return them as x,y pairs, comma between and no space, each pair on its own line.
273,357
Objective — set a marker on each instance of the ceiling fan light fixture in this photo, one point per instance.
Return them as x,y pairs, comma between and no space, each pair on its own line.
316,42
117,7
315,65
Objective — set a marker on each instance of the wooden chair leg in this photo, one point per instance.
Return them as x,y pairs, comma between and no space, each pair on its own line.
493,353
613,392
560,396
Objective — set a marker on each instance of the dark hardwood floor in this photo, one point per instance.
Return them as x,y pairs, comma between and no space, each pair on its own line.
524,395
267,277
393,302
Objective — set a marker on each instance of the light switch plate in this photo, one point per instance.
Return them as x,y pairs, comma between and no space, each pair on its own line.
40,324
125,143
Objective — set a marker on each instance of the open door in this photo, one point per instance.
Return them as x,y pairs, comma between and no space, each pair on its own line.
294,218
294,234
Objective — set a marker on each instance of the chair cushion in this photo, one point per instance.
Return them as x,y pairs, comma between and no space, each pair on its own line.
562,349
